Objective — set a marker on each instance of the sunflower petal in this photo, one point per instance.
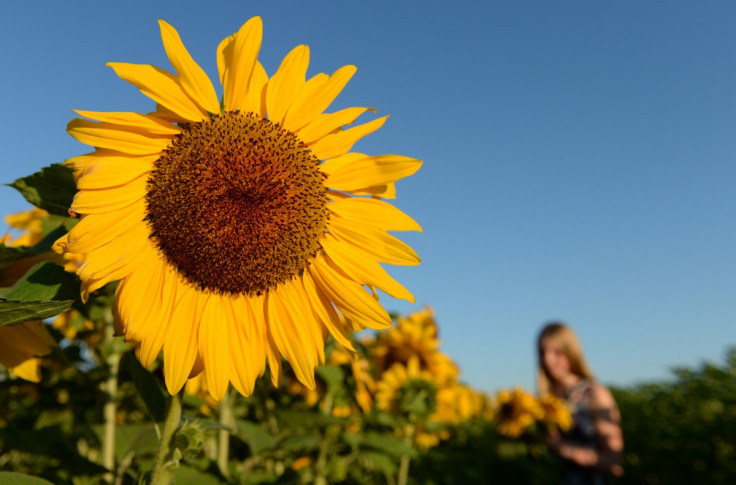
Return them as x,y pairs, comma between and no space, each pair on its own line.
341,142
356,171
181,346
325,312
105,200
312,102
192,78
361,269
349,297
286,83
236,59
147,123
162,87
375,212
117,137
373,242
214,337
325,124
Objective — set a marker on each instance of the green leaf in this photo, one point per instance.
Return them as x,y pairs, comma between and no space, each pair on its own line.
382,442
15,478
379,461
147,386
188,474
43,282
257,438
305,419
52,188
302,443
12,312
9,256
333,376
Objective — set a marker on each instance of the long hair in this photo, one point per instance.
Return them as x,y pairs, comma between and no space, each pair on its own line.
568,342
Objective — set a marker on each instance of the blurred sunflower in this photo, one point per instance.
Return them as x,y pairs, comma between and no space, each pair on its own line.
556,412
232,224
30,222
406,389
457,403
21,346
413,335
516,411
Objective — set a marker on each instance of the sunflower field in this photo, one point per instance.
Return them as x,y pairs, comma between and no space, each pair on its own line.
197,300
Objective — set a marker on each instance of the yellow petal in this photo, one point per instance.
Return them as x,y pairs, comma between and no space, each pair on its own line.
325,312
356,171
247,346
286,83
375,212
162,87
162,292
181,346
256,99
29,369
287,329
325,124
117,137
193,79
214,338
111,172
237,56
312,102
373,242
106,200
146,123
349,297
361,269
341,142
95,230
294,119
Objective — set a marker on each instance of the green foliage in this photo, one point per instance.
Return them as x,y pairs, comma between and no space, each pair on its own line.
51,189
682,432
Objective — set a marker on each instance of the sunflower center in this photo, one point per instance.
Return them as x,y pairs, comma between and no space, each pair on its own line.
237,204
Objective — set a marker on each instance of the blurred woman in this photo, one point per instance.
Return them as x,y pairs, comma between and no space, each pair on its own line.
593,446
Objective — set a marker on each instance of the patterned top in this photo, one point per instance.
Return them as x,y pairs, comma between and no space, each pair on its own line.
582,433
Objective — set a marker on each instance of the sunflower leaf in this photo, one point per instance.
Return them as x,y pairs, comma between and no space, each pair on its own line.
9,255
43,282
13,311
51,189
147,386
21,479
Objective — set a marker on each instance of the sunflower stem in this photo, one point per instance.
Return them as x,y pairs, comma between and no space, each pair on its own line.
405,459
109,410
166,464
223,435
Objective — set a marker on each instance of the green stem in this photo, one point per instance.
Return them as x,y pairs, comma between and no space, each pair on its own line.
321,464
405,459
110,387
165,466
223,435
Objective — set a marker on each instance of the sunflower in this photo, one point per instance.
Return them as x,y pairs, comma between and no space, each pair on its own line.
21,346
556,412
516,411
240,228
406,389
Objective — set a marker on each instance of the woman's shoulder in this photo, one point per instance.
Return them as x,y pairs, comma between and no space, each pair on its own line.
602,403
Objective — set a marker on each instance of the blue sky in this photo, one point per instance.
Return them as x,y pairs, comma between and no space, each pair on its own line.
579,157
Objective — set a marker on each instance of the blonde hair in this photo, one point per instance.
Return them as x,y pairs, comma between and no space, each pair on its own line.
562,335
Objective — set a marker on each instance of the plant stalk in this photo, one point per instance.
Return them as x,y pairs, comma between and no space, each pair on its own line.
223,435
405,459
165,466
110,387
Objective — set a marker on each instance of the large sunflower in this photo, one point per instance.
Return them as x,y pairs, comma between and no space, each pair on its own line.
233,225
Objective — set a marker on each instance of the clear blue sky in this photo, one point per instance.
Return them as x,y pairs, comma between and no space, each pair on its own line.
579,157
